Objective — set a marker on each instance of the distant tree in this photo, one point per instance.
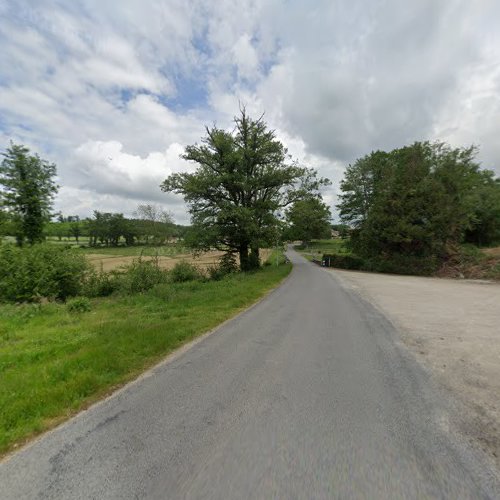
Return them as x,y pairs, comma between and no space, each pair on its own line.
75,230
342,229
107,228
156,222
309,219
241,180
28,191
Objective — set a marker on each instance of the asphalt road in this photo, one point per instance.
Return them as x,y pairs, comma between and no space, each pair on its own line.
306,395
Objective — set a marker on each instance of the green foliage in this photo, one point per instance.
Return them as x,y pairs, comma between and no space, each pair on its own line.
29,274
108,228
154,224
185,271
227,264
243,178
343,261
100,283
53,362
485,225
412,206
342,229
28,191
78,305
309,219
142,275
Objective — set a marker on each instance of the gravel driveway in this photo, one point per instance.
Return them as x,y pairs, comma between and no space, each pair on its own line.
453,327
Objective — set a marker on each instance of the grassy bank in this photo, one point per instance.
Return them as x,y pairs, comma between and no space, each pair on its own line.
54,362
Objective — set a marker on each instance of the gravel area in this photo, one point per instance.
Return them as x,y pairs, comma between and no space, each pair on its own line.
453,327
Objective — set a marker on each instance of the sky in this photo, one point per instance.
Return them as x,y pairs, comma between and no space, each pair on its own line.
112,91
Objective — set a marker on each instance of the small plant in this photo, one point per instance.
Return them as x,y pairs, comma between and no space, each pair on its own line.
184,271
78,305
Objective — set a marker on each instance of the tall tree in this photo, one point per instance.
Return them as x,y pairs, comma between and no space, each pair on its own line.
419,203
309,219
242,179
28,190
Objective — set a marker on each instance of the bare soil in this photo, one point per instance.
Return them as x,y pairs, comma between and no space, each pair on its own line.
108,262
453,327
494,251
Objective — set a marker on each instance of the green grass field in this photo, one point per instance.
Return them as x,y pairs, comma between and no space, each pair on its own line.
319,247
54,362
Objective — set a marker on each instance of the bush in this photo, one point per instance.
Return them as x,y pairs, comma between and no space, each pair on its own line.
100,284
404,264
227,264
79,305
31,273
185,271
142,275
352,262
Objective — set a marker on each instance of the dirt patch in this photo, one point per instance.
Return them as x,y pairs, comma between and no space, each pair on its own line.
108,262
453,327
493,252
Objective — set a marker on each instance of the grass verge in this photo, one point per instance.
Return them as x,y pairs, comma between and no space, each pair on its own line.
55,361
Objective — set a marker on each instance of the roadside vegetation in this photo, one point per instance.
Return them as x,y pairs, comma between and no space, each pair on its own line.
72,331
422,209
56,358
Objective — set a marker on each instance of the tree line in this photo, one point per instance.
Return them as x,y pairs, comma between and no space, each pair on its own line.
27,191
406,209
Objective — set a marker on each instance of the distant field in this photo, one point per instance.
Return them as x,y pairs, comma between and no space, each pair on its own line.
138,250
109,259
317,248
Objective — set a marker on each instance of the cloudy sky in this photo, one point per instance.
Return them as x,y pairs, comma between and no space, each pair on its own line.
113,91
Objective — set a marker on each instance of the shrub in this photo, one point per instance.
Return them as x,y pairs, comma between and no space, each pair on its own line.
79,305
227,264
343,261
185,271
30,273
142,275
100,284
403,264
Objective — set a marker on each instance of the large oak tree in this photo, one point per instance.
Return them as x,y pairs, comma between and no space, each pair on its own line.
242,179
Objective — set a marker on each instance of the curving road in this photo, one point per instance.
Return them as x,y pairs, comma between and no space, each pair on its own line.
306,395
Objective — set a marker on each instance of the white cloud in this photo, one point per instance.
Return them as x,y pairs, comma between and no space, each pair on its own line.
85,81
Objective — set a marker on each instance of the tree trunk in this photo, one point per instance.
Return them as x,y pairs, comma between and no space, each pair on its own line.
244,260
254,258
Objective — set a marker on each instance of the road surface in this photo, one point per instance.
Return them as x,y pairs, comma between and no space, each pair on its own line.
306,395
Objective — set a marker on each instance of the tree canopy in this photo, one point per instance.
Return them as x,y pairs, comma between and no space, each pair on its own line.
419,201
28,190
308,219
242,179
